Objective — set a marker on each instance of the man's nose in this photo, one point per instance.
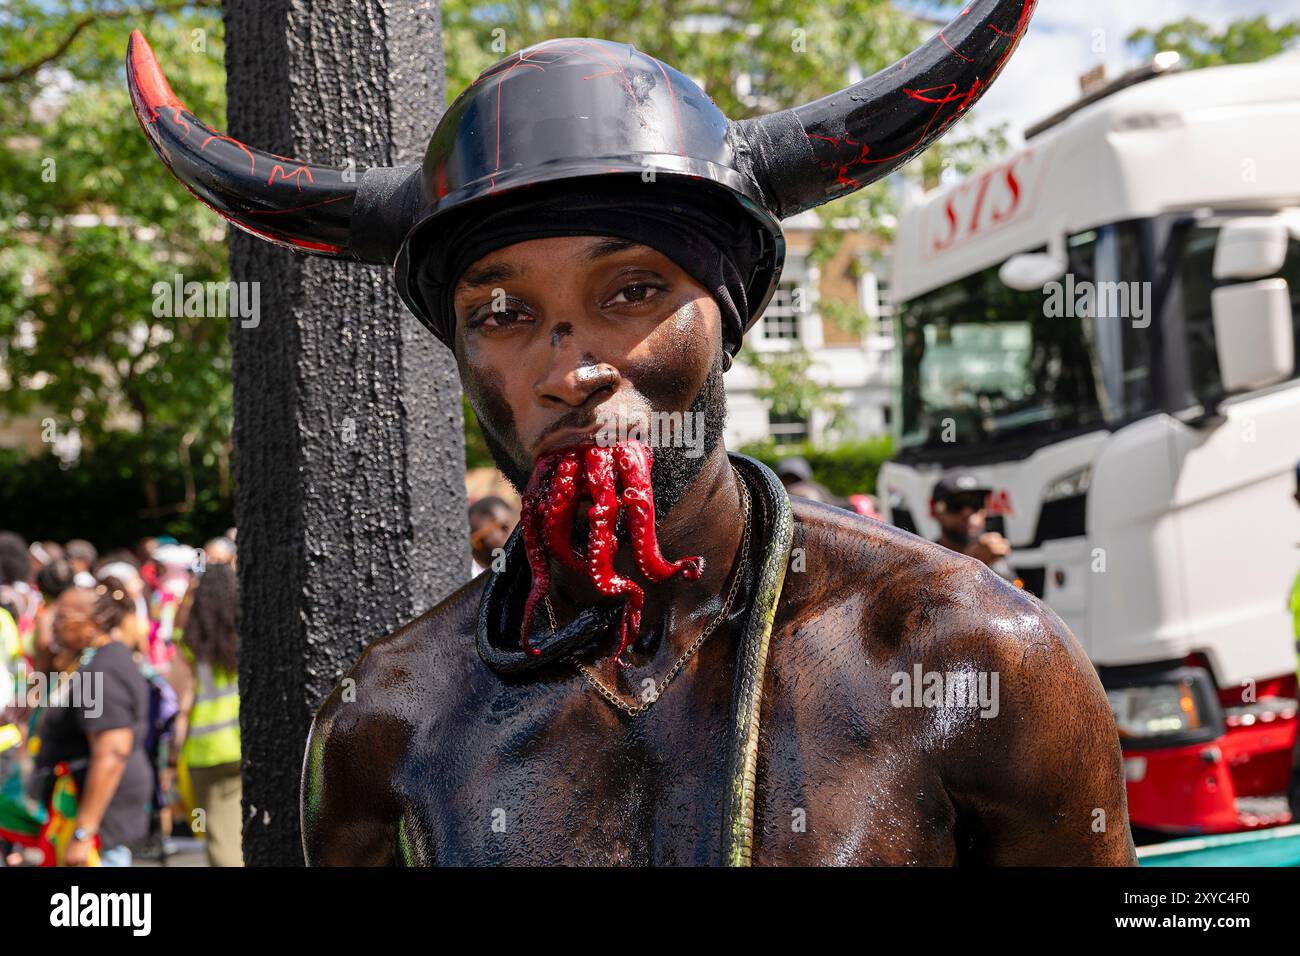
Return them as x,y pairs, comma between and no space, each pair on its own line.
573,373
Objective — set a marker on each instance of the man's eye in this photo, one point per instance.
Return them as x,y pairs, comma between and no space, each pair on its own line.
497,319
637,292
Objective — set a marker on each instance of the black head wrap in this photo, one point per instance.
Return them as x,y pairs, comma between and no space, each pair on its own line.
699,228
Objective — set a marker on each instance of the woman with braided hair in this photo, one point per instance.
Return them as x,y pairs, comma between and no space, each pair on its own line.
93,727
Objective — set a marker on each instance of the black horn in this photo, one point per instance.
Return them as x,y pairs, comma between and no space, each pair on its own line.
835,145
334,211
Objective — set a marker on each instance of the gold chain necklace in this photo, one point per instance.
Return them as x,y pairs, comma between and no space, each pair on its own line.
695,645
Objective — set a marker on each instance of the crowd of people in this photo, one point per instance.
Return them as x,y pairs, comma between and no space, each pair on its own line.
119,701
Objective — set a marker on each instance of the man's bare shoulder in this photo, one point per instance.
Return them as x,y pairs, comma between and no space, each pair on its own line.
396,673
388,691
350,805
915,594
917,603
998,693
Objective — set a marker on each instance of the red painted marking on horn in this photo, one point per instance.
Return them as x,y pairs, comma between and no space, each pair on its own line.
288,176
1022,24
176,118
252,160
150,94
954,49
270,237
937,96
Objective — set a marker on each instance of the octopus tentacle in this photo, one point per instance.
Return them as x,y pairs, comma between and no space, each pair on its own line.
560,506
634,461
531,519
602,544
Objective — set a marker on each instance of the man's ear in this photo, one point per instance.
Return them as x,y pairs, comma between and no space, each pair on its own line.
936,508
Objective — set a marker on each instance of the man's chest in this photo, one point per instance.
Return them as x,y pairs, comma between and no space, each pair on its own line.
552,773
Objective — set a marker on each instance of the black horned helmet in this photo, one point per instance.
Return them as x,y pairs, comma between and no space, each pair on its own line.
568,109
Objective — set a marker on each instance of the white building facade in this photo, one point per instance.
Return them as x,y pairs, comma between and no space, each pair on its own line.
857,369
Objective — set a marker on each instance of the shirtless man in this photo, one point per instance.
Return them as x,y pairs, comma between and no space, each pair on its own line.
800,686
439,759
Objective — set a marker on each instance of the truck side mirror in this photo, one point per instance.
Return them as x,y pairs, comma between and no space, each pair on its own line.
1252,247
1030,271
1253,333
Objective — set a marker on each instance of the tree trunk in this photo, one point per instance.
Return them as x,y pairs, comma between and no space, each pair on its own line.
348,441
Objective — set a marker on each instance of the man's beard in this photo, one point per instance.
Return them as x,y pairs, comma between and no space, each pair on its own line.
674,469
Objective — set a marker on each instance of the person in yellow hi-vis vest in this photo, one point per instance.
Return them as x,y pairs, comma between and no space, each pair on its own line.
204,675
11,654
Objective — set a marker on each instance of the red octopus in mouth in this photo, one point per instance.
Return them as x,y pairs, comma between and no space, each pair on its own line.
550,504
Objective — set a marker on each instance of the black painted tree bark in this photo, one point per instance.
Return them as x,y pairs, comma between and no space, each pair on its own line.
349,450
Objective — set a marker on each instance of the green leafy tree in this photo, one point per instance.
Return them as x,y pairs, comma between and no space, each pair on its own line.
89,225
1241,41
789,388
90,222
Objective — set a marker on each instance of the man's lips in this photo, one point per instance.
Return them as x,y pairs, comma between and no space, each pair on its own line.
564,438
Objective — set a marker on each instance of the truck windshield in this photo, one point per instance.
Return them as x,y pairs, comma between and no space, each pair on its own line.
984,364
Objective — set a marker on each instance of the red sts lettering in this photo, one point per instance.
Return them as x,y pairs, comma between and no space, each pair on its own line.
993,198
981,191
999,503
1013,196
943,241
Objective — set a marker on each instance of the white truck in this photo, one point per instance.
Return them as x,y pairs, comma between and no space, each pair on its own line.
1104,330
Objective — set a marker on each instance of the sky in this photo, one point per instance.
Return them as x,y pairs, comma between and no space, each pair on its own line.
1044,74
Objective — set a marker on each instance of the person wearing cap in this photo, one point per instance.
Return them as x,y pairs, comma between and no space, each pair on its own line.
82,554
797,477
959,503
592,238
219,551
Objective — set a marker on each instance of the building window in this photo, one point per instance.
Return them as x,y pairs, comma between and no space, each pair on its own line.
781,317
884,307
877,302
787,429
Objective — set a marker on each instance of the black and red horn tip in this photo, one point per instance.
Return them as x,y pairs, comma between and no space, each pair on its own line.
283,200
149,89
842,142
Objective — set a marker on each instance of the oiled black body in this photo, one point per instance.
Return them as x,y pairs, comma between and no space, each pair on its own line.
438,760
